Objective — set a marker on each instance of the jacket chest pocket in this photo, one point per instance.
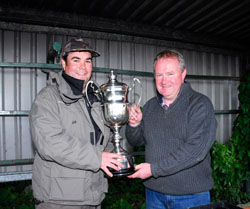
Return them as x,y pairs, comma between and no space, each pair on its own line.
74,120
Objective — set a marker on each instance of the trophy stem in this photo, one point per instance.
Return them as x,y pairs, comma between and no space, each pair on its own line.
116,139
128,161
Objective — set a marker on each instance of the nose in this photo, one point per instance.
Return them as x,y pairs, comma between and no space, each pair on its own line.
82,65
164,79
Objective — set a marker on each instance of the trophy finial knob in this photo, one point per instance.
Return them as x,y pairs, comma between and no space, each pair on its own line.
112,76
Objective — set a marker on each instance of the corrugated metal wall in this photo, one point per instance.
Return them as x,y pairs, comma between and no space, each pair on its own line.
19,86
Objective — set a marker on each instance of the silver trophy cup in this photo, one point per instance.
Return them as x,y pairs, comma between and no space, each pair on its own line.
115,107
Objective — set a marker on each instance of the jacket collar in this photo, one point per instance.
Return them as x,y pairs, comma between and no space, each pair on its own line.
63,87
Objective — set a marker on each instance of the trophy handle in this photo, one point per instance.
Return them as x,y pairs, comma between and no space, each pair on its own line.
94,87
139,82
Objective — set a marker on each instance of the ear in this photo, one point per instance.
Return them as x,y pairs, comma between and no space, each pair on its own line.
63,63
183,74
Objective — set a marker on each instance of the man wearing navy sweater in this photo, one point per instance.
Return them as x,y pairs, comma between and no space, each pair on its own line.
178,128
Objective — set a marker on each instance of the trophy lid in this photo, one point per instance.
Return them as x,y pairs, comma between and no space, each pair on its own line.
113,90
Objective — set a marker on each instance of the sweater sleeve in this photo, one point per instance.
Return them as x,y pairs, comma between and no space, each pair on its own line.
134,135
201,130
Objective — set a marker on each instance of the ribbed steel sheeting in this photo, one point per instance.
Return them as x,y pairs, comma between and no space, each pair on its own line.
19,86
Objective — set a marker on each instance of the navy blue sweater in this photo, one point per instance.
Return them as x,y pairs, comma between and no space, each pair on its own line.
178,141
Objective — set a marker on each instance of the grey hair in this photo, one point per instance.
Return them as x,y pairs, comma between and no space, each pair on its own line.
171,53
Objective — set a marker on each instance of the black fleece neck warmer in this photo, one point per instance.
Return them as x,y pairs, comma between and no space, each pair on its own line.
75,84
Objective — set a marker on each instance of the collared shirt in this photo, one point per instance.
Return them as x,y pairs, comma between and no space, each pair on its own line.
160,99
164,106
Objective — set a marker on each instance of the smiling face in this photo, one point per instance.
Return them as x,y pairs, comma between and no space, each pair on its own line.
168,78
78,65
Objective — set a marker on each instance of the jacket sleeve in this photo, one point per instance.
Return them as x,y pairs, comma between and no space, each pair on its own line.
53,143
201,133
109,147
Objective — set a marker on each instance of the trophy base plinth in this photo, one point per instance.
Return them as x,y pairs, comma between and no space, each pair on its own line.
123,172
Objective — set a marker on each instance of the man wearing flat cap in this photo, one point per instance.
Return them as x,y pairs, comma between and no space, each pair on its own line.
72,143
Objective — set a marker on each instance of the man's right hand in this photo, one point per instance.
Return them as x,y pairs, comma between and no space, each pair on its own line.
110,160
135,115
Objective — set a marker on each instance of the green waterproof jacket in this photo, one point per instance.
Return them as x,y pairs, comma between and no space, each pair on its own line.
67,163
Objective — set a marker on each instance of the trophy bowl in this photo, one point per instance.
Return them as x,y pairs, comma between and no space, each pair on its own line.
116,114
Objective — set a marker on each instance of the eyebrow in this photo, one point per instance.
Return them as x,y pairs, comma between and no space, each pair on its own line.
75,57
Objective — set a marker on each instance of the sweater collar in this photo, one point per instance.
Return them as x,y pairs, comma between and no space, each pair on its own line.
184,91
160,99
